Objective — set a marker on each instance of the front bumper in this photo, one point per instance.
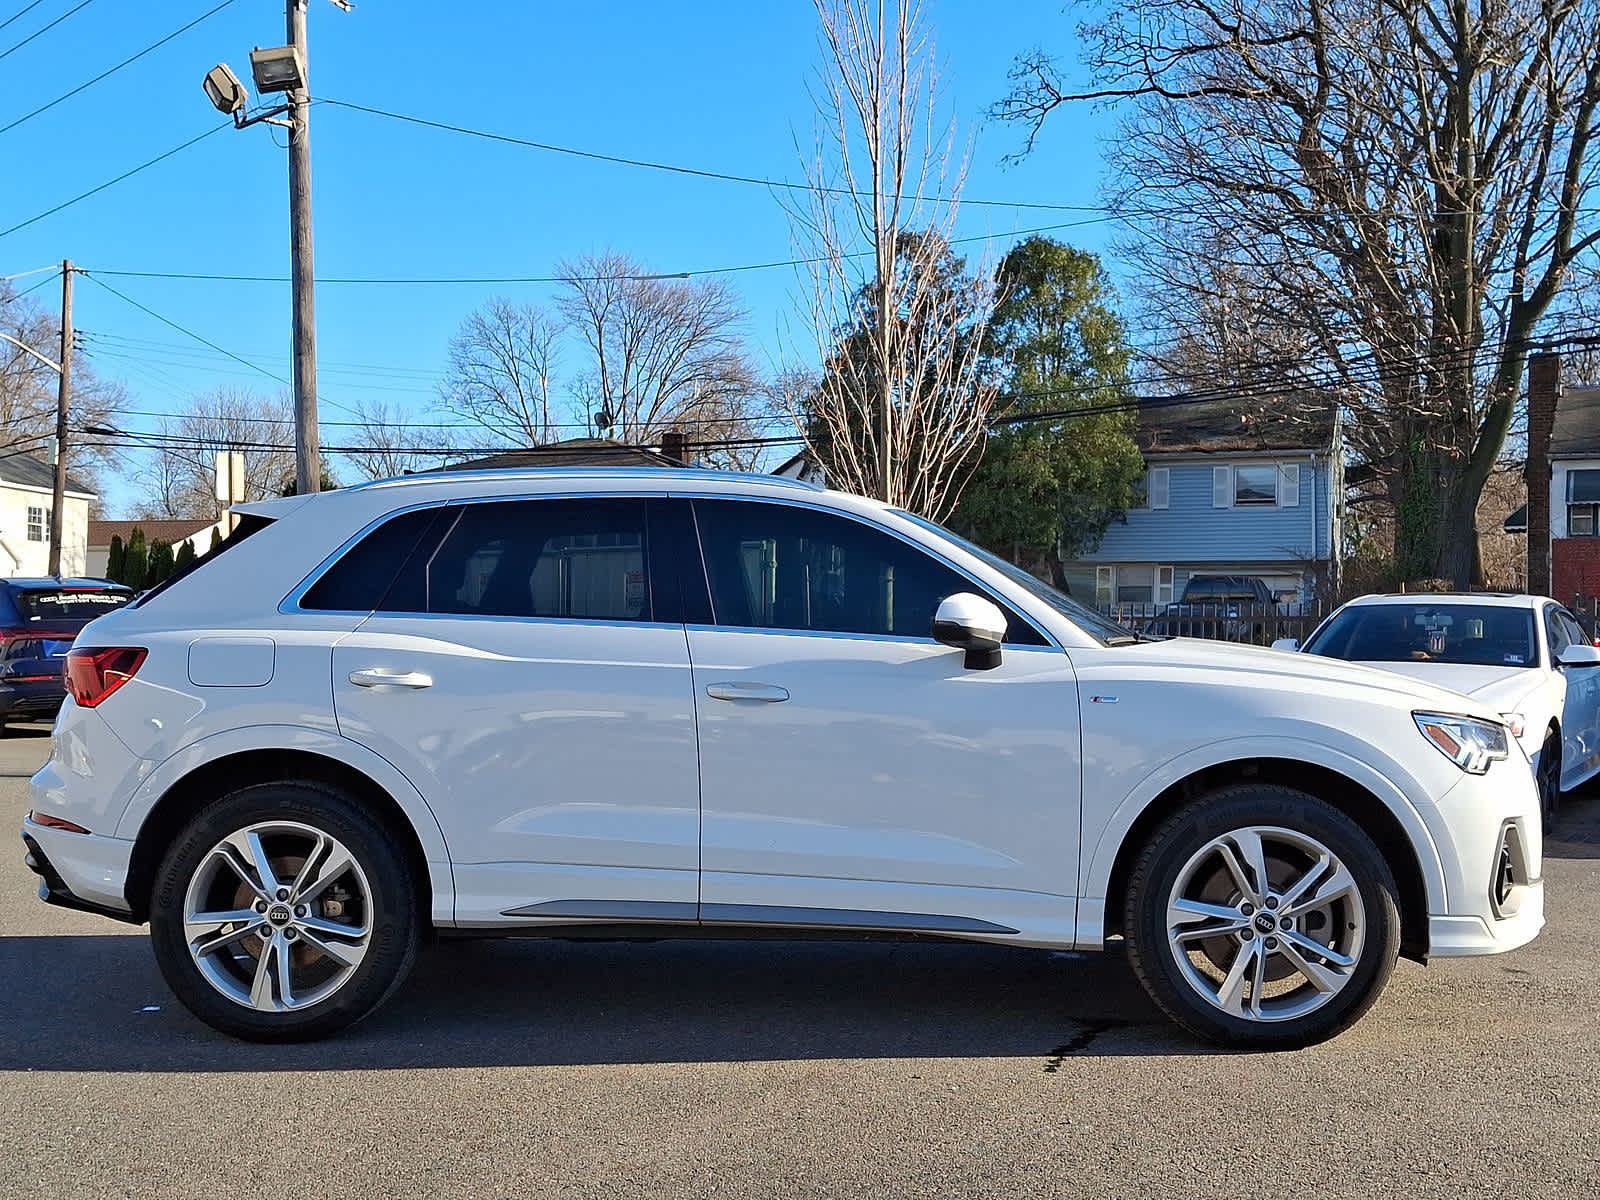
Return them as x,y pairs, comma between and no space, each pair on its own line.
83,871
1490,836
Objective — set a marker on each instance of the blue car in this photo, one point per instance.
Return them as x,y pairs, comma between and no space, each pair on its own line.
39,618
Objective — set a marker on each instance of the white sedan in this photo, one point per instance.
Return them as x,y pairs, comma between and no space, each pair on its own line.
1525,656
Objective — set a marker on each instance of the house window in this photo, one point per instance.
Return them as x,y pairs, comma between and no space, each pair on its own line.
1255,485
38,523
1142,584
1583,499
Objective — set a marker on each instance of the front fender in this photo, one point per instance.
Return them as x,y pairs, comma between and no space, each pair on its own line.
1098,860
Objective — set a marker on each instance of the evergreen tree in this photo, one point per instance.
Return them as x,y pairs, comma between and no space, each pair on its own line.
160,563
137,564
116,559
184,557
1046,490
216,539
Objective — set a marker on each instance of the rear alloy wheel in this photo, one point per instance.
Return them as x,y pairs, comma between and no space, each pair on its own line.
284,913
1549,776
1261,916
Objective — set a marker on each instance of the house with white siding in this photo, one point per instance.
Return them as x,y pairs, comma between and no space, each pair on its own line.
27,490
1230,489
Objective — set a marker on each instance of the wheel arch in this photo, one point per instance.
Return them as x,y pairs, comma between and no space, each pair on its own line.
174,792
1393,824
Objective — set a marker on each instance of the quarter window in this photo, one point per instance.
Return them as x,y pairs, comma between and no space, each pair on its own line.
780,566
361,579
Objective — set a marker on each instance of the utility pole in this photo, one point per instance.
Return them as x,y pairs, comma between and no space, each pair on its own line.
307,447
63,402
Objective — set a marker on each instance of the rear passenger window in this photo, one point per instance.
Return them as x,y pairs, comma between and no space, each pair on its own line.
576,559
360,579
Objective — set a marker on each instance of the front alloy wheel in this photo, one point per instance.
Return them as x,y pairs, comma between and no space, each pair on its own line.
1265,923
1262,916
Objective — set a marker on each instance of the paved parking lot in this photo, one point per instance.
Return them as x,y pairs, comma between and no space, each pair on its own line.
767,1069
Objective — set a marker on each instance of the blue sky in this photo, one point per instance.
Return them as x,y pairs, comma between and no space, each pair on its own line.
714,85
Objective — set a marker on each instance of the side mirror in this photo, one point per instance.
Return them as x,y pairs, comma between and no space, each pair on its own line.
1579,655
1286,644
973,624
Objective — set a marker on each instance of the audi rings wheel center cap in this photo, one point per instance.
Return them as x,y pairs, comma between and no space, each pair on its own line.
279,915
1265,922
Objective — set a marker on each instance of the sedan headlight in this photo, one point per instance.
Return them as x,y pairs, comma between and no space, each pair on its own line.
1466,741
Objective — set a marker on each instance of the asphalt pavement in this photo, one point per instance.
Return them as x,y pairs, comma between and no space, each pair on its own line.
766,1069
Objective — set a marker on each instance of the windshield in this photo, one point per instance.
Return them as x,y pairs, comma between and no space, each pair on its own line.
69,603
1482,635
1091,622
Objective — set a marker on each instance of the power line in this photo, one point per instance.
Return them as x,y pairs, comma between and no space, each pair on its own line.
34,287
83,4
28,8
697,172
113,70
189,333
118,179
214,277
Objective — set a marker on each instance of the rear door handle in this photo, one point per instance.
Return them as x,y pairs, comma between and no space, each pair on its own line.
761,693
382,677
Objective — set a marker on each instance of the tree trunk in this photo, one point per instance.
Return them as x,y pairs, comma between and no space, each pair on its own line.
1416,492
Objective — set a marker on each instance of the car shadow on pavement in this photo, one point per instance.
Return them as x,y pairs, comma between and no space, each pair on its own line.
1576,832
98,1004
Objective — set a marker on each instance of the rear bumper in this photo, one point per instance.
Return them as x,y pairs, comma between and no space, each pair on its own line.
32,701
83,871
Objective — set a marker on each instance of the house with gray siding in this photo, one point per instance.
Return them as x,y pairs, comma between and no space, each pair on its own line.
1230,489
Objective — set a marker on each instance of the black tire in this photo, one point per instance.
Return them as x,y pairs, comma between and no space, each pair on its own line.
1162,860
394,914
1549,777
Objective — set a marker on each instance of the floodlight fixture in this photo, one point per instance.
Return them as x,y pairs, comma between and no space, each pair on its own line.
223,89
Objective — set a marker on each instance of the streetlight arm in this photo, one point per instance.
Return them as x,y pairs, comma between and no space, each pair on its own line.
21,345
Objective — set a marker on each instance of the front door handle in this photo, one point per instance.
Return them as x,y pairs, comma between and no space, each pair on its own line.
382,677
760,693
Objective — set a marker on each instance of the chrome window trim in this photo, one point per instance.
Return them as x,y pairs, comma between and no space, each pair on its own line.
290,605
985,589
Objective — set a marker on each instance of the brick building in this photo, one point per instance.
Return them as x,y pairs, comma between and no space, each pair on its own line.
1563,484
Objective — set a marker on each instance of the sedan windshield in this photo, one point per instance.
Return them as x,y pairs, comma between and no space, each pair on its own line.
1086,619
1463,634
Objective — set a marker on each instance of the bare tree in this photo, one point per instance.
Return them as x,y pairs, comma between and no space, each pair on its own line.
179,478
664,355
28,388
501,376
904,420
1397,183
383,445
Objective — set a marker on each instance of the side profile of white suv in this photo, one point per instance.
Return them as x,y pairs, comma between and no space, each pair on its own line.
603,703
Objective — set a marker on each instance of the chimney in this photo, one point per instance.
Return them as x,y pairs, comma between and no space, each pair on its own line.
1544,389
672,446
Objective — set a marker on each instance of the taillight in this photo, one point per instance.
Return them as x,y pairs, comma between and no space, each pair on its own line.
92,675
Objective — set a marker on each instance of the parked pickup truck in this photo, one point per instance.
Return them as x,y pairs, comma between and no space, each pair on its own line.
1216,606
